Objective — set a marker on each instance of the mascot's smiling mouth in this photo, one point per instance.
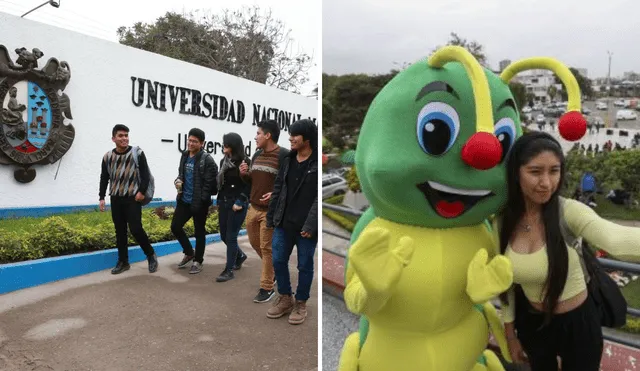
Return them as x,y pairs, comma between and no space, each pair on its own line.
451,202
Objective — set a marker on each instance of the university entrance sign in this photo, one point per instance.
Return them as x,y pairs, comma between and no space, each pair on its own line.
33,109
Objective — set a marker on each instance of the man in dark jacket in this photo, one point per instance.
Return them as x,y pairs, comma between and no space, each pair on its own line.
293,211
196,183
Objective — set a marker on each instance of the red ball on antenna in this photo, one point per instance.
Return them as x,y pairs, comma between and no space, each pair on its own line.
572,126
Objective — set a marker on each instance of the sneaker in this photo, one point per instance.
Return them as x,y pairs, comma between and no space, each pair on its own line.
225,276
196,268
299,313
263,296
185,260
120,267
239,262
282,306
153,263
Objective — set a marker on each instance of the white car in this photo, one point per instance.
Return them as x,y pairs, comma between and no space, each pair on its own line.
540,119
619,103
601,106
526,109
333,185
625,114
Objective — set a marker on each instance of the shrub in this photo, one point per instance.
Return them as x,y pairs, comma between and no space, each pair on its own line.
55,236
340,219
632,325
334,200
352,180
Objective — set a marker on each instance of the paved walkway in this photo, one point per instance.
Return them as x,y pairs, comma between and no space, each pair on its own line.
337,324
169,320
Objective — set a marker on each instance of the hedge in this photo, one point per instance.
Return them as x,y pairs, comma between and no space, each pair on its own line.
55,236
343,221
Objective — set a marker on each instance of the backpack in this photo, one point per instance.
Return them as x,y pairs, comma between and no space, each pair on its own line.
609,300
148,195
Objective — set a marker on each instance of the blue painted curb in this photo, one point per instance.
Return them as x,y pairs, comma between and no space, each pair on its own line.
16,276
36,212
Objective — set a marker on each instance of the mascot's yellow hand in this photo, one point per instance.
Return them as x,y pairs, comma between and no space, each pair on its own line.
485,281
377,263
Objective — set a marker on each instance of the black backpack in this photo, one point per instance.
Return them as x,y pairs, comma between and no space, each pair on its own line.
605,293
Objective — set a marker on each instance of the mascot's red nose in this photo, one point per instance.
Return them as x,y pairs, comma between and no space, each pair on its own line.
482,151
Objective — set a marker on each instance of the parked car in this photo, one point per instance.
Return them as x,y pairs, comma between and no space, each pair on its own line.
625,114
619,103
526,109
339,172
601,106
540,119
586,111
333,185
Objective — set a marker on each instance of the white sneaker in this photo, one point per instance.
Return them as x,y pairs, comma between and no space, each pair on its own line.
196,268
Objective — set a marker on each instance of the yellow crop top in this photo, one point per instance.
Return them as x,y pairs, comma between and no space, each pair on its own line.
530,270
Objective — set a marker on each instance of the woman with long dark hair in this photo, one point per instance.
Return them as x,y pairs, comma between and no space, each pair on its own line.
555,317
233,202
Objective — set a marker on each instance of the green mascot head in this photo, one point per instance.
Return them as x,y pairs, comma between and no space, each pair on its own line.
432,148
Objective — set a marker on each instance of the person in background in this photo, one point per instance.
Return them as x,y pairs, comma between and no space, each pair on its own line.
262,176
196,183
127,191
233,202
293,212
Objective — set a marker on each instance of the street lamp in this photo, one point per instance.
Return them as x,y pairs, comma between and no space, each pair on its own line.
53,3
609,108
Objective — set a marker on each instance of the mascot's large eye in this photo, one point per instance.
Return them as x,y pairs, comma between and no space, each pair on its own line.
438,128
505,131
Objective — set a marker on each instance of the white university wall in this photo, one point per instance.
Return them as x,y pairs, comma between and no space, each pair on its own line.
104,91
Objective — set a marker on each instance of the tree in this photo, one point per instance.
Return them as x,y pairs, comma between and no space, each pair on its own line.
345,102
247,43
476,49
552,91
584,83
530,98
519,93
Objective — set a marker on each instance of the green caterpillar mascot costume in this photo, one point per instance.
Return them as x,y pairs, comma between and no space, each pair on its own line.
423,263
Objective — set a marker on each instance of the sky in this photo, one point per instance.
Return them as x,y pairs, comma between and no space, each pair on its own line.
374,36
102,18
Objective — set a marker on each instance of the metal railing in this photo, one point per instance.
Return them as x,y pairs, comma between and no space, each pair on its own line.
611,335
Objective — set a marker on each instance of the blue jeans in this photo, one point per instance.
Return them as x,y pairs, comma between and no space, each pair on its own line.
230,223
282,246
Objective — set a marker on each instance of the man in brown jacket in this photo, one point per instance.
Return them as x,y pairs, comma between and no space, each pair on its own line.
262,175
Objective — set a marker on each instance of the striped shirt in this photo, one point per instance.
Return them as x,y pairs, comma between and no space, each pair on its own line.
264,170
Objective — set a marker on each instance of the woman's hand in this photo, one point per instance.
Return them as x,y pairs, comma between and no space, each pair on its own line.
236,207
515,349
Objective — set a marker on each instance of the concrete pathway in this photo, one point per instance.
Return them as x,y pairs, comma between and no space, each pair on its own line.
169,320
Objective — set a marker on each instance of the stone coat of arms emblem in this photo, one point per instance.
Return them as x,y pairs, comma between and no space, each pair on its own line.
33,109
